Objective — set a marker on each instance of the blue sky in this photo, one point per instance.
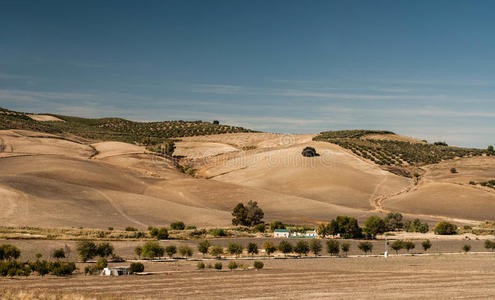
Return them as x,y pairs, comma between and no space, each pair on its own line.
420,68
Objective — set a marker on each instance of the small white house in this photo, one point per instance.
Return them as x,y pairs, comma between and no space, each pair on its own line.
311,234
281,233
116,271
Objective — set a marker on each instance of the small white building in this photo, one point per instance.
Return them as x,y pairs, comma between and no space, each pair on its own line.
116,271
281,233
311,234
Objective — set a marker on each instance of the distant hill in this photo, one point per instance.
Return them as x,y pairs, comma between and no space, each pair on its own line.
115,129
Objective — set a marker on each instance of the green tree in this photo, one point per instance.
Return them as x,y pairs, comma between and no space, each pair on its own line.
489,245
346,247
152,249
408,245
138,250
260,228
397,245
269,247
258,265
347,227
234,248
315,246
87,250
445,228
203,246
179,225
232,265
136,267
466,248
333,247
171,250
216,251
373,226
8,252
302,247
162,234
58,253
285,247
490,150
365,247
426,245
186,251
252,248
104,250
248,215
240,215
322,230
276,225
218,266
393,221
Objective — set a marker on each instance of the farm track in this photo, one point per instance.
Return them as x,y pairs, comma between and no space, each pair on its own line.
273,284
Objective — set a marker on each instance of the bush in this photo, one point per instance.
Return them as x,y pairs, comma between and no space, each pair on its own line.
466,248
346,247
171,250
14,268
315,246
489,245
216,251
201,265
260,228
397,245
152,249
373,226
101,264
136,267
234,248
104,250
162,234
138,250
42,267
302,247
8,252
285,247
365,247
445,228
58,253
393,221
203,246
309,152
417,226
62,268
87,250
408,245
258,265
218,266
426,245
453,170
276,225
130,228
186,251
179,225
333,247
218,232
269,247
232,265
252,248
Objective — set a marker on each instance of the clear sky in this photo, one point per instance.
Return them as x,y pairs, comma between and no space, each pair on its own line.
419,68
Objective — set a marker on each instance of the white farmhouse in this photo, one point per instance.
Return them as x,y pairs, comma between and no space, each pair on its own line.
281,233
116,271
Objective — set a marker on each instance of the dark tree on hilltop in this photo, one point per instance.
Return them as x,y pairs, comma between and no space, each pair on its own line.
309,152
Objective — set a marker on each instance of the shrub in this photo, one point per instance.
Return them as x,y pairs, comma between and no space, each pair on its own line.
216,251
171,250
302,247
426,245
373,226
445,228
276,225
152,249
201,265
58,253
138,250
285,247
269,247
365,247
179,225
136,267
453,170
8,252
14,268
130,228
42,267
408,245
59,268
309,152
252,248
104,250
203,246
466,248
260,228
489,245
218,266
315,246
87,250
218,232
235,248
417,226
397,245
393,221
186,251
333,247
232,265
346,247
258,265
162,234
101,264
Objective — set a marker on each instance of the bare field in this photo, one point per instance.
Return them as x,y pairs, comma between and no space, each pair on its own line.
439,277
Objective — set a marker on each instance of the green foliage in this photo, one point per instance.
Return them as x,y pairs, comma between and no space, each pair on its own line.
218,232
365,247
216,251
346,247
59,268
252,248
152,249
42,267
130,228
426,245
179,225
104,250
397,245
322,229
269,247
276,225
101,264
162,234
58,253
490,150
136,267
232,265
393,221
333,247
258,265
445,228
373,226
260,227
8,252
302,247
285,247
248,215
14,268
87,250
309,152
408,245
218,266
489,245
315,246
171,250
186,251
453,170
201,265
416,226
352,134
235,248
203,246
138,250
347,227
466,248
